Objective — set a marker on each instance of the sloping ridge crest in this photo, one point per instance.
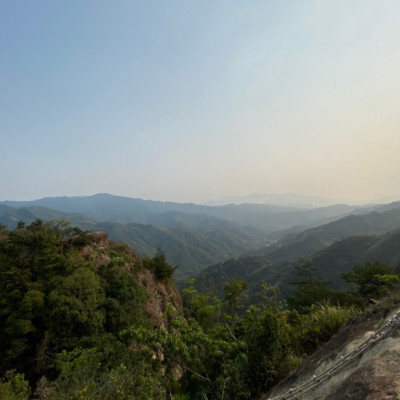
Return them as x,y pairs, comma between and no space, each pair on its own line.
360,362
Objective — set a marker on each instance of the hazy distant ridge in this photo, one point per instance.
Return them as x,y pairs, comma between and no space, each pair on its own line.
332,248
264,217
192,236
285,199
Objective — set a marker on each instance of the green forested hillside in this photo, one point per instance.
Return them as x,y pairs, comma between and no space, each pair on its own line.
77,322
64,299
343,255
311,240
10,216
329,263
192,236
191,247
195,241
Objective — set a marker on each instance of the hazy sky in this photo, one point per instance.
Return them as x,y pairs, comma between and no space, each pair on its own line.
192,100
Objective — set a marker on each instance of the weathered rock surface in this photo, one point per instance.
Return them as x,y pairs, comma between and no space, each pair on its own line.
161,293
373,375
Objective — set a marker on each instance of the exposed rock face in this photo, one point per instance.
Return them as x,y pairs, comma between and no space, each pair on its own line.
100,238
378,377
161,293
375,375
99,249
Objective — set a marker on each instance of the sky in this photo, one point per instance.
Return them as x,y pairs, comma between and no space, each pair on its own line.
202,99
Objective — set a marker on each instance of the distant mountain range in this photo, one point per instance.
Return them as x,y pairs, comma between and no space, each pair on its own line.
285,199
383,219
264,217
10,216
332,248
202,241
196,236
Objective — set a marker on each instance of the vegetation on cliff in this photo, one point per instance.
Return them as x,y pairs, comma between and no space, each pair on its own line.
65,297
77,322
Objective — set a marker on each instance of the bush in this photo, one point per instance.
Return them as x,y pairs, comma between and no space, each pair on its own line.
14,387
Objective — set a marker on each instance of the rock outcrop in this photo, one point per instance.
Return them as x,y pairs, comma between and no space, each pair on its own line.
161,292
371,374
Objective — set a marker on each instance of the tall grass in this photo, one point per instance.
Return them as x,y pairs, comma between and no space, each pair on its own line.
320,324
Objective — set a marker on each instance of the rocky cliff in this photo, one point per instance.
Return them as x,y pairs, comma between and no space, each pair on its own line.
361,362
161,292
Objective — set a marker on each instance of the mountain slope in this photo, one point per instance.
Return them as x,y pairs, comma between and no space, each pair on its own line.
10,216
326,247
312,240
373,372
66,296
285,199
106,207
190,248
194,237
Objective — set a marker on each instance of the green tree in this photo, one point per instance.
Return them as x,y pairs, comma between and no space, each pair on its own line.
3,230
106,372
371,280
159,265
234,292
203,308
14,387
77,304
209,361
54,298
124,298
310,290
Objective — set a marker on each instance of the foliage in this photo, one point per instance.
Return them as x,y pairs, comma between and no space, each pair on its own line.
316,327
95,374
124,298
234,291
159,265
372,280
203,308
77,330
226,354
207,360
310,290
14,387
61,315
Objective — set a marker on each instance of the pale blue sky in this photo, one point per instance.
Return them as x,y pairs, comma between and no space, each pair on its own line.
195,100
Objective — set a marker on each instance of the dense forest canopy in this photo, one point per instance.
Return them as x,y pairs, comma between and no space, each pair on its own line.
73,323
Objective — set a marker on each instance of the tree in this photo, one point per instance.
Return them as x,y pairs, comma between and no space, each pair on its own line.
54,298
159,265
234,290
14,387
3,230
210,360
77,305
204,308
372,280
310,290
